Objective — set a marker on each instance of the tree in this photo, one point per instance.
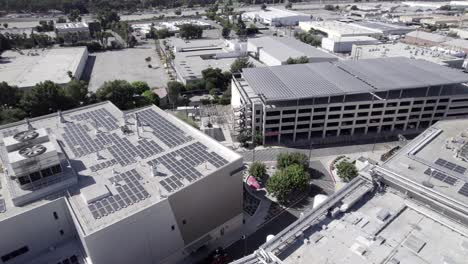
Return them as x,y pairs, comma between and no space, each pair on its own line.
300,60
288,5
284,160
329,7
9,95
287,181
5,25
74,15
106,17
226,32
152,97
263,6
140,87
119,92
346,170
61,20
178,12
445,8
241,63
44,98
189,31
173,91
11,115
243,137
77,90
215,78
354,8
257,170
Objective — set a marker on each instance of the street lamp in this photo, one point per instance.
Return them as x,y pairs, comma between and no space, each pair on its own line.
428,183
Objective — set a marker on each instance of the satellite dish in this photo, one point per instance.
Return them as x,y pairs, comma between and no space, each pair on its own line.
26,135
29,152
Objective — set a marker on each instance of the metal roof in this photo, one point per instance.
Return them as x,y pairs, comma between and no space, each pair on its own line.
428,36
283,48
348,77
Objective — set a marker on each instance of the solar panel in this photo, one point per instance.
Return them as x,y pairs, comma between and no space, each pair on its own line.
464,190
441,176
131,191
182,162
451,166
101,116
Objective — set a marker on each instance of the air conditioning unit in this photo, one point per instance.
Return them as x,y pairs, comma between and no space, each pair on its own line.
33,157
25,138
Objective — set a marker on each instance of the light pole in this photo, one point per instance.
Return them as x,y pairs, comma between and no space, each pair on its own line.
310,151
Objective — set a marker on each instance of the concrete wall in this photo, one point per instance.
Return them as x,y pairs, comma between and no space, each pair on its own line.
208,203
268,59
235,95
37,229
81,65
144,237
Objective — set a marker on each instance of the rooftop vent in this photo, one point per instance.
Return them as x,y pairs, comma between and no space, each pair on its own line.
30,152
26,135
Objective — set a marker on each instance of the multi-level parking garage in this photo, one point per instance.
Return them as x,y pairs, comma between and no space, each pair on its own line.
337,101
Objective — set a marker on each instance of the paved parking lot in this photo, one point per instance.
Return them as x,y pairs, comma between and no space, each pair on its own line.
126,64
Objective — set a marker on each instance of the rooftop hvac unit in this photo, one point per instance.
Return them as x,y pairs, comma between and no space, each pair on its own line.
25,138
33,158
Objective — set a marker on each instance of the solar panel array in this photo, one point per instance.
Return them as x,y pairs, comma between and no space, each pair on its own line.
102,117
182,162
2,206
125,152
130,191
164,130
77,138
441,176
451,166
464,190
102,165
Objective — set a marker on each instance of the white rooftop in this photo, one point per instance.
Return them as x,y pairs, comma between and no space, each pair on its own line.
30,67
71,25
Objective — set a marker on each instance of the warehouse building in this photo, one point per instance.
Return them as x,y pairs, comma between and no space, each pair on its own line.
385,28
276,17
274,51
422,38
392,213
26,68
345,100
436,55
73,32
457,45
345,44
97,185
336,29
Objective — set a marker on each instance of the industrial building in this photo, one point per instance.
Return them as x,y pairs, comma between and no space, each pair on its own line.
194,56
456,45
274,51
336,29
437,55
73,32
26,68
97,185
344,100
276,17
410,209
385,28
345,44
423,38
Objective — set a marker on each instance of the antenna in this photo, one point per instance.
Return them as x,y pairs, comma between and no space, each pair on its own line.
30,127
60,116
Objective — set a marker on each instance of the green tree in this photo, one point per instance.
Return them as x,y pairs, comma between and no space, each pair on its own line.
288,181
300,60
119,92
106,17
226,32
9,95
152,97
288,5
241,63
173,91
285,160
11,115
178,12
5,25
74,15
61,20
243,138
140,87
329,7
354,8
346,170
263,6
77,90
44,98
215,78
258,170
189,31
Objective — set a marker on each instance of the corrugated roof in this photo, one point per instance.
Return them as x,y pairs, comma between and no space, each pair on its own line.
348,77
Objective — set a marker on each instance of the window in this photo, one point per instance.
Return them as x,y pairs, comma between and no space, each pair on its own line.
320,117
403,111
391,104
378,105
405,103
320,109
333,124
333,116
335,108
273,121
376,113
257,112
303,118
289,112
429,108
287,127
56,215
273,113
366,106
308,110
349,107
418,102
441,107
257,120
362,114
302,126
348,115
360,122
443,100
388,119
15,254
390,112
287,120
430,101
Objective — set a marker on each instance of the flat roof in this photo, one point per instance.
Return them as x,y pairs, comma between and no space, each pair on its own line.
137,169
288,82
456,43
412,236
428,36
71,25
339,28
272,12
30,67
404,50
384,27
433,149
283,48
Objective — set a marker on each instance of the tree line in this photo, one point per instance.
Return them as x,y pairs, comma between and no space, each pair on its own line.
48,97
